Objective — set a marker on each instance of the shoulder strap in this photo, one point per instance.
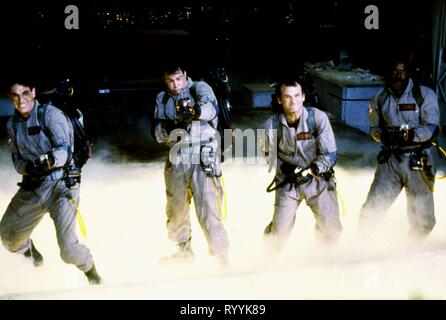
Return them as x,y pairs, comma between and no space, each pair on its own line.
41,111
416,92
419,99
165,98
311,122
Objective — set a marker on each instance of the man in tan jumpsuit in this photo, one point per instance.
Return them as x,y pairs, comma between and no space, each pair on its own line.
306,153
40,152
405,119
188,110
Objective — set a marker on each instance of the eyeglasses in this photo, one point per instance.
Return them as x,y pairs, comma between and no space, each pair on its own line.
24,95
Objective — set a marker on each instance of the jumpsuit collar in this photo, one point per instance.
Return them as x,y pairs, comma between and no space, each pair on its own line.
406,91
301,126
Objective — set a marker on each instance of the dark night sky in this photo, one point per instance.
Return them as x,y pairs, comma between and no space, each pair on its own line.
255,41
252,39
256,32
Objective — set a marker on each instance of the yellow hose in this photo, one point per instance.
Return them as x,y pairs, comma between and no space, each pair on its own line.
444,153
222,214
79,218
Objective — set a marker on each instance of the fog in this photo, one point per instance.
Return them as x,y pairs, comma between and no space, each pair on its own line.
123,206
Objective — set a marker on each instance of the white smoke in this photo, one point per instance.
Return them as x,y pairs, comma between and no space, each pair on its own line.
123,206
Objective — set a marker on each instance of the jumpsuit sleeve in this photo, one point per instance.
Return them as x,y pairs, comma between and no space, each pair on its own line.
375,130
430,116
61,135
206,100
18,161
268,143
160,123
325,141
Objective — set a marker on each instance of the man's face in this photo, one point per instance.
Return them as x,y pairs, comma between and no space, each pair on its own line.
23,99
175,82
292,99
399,77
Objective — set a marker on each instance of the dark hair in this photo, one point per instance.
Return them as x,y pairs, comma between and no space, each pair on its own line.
24,81
172,67
172,70
286,83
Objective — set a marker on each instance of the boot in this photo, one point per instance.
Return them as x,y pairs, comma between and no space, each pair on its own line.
183,255
34,255
93,276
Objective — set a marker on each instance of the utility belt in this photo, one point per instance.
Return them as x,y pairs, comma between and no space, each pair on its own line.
204,153
419,159
71,176
30,183
386,152
294,176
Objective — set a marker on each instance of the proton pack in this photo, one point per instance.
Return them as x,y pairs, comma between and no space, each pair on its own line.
62,97
218,79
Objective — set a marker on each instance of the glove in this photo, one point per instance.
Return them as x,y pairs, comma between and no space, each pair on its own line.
397,137
184,115
51,159
302,178
314,169
34,171
388,138
186,111
410,134
197,112
40,167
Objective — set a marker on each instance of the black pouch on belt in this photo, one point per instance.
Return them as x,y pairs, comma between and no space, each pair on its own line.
383,156
416,162
428,166
72,177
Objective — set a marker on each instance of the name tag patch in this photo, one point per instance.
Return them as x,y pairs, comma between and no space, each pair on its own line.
304,136
34,130
407,107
